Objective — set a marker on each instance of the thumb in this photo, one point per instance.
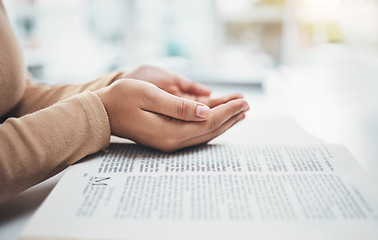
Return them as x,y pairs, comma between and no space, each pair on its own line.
176,107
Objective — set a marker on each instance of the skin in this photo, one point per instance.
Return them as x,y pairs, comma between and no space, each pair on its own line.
160,110
177,85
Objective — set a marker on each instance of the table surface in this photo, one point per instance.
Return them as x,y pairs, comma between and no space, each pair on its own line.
328,108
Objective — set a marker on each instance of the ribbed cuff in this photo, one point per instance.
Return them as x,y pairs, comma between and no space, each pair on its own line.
98,119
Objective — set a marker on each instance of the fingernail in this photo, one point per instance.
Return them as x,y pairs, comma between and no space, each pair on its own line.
202,111
245,107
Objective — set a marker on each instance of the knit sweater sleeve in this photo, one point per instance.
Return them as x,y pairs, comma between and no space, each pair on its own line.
38,96
38,145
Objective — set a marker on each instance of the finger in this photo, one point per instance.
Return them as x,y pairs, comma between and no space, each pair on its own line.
212,102
176,132
220,100
218,116
190,87
159,101
223,112
211,135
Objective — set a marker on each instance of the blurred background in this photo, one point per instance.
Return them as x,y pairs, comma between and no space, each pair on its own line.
209,40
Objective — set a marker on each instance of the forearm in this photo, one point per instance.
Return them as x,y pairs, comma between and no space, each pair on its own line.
37,96
39,145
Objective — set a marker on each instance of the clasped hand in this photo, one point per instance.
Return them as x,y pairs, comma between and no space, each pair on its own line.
168,112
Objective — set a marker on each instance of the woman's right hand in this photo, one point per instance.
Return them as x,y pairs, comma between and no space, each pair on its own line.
142,112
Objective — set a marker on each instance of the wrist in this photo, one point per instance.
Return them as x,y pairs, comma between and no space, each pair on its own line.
102,95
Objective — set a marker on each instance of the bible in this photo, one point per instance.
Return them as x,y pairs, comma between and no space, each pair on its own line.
262,190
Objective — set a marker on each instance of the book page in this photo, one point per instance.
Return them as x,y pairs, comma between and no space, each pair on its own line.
218,191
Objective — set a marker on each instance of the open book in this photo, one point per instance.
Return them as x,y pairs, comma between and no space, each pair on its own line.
308,190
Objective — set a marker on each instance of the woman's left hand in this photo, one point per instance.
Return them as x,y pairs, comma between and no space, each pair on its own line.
177,85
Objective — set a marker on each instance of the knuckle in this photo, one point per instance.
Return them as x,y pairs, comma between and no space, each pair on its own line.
214,124
137,88
148,99
182,108
149,95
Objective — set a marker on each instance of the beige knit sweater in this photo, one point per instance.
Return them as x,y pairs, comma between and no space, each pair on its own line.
44,129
